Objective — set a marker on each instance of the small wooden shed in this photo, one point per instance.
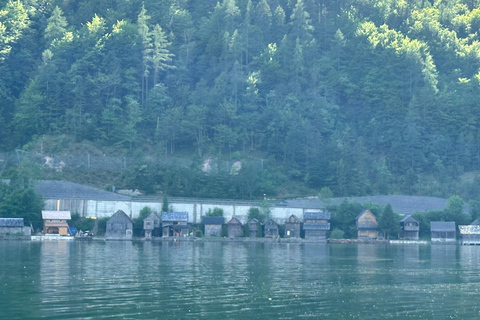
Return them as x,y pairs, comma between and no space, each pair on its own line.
151,223
271,229
175,224
316,224
410,228
55,222
292,227
254,228
119,227
443,231
234,228
367,225
14,226
469,234
213,226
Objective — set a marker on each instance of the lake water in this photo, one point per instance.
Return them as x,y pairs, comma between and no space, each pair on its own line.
231,280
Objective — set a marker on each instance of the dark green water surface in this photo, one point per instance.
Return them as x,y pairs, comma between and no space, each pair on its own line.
216,280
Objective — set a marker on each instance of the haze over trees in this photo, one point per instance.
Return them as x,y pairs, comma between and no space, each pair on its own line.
362,97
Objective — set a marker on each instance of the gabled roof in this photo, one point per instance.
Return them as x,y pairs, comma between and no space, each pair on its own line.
316,216
253,221
119,214
234,221
442,226
271,222
175,216
409,218
363,212
56,189
57,215
11,222
293,219
475,222
152,216
214,220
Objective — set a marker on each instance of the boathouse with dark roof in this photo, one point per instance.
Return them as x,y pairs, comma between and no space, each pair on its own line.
469,234
151,225
410,228
235,229
119,227
213,226
443,231
254,228
292,227
270,229
316,224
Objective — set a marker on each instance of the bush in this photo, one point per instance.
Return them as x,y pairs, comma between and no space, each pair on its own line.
337,234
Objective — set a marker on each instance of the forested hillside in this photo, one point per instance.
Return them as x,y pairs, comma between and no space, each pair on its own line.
364,97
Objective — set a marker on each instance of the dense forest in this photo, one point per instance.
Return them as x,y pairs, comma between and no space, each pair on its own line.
362,97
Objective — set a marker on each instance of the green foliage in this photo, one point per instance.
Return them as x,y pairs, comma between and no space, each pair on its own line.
388,222
256,213
343,218
337,234
165,207
216,212
81,223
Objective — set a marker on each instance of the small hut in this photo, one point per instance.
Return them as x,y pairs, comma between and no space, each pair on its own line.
55,222
443,231
271,229
469,235
213,226
410,227
150,223
175,224
292,227
254,229
234,228
13,226
119,227
367,225
316,224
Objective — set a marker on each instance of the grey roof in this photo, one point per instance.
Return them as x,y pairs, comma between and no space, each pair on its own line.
234,221
400,204
316,216
11,222
152,216
271,223
316,226
120,215
175,216
56,189
293,220
253,221
475,222
409,217
213,220
442,226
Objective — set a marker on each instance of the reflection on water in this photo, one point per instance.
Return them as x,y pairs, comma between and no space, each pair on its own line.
215,280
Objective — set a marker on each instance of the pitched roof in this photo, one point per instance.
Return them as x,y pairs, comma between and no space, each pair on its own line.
316,216
57,215
119,215
175,216
253,221
11,222
152,216
363,212
442,226
293,219
271,223
213,220
408,218
234,221
56,189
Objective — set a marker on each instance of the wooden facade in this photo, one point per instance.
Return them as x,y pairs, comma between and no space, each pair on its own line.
316,224
213,226
443,231
292,227
55,222
150,224
410,228
175,224
119,227
271,229
367,225
234,228
469,234
254,228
